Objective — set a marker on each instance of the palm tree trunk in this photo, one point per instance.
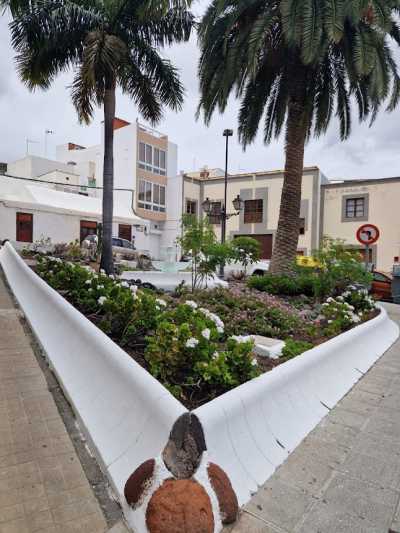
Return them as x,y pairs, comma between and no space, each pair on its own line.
287,236
107,262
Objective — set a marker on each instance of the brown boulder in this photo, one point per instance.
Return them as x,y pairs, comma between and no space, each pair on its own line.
139,483
227,500
180,506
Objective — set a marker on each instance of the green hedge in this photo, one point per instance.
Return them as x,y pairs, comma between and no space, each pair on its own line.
284,285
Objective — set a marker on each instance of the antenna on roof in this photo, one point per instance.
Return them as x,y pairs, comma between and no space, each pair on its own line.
46,133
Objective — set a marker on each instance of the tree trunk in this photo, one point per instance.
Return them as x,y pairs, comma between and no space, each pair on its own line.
107,262
287,235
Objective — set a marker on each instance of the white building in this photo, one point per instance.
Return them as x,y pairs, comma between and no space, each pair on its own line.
30,212
145,168
145,182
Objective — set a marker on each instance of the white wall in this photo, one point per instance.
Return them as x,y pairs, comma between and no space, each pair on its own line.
60,228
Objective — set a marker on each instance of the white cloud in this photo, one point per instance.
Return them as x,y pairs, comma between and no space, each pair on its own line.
368,153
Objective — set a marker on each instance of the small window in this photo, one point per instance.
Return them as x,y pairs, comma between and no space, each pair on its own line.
149,154
215,213
142,152
253,211
355,207
191,207
302,226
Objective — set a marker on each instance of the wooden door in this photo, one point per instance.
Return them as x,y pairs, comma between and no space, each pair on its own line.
24,227
266,242
88,227
125,232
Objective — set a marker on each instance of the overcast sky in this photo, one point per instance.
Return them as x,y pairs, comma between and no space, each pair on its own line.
369,152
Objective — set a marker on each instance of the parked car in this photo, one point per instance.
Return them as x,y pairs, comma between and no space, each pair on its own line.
123,247
381,286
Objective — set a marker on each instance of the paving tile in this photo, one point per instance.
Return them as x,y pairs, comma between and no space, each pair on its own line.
250,524
326,518
280,504
363,500
380,471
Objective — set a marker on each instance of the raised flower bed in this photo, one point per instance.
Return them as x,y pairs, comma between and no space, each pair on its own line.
128,415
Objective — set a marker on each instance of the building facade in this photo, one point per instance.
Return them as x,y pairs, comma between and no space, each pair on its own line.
349,204
145,176
261,194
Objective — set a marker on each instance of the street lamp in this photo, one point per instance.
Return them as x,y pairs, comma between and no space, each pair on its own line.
222,213
226,134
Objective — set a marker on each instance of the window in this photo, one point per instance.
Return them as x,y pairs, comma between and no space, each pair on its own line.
215,213
253,211
355,207
151,196
191,207
302,226
380,277
152,159
24,227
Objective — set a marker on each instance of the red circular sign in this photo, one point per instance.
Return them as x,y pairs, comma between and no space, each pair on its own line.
367,234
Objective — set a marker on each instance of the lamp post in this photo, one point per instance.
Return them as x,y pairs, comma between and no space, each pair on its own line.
223,214
226,134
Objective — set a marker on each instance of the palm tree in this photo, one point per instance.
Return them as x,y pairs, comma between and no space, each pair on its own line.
296,64
109,44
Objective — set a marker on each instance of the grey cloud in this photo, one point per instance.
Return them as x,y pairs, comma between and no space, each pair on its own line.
368,153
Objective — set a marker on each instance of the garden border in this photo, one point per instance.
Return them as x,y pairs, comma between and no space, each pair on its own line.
127,414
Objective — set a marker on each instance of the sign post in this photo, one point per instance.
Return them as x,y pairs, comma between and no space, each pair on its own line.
367,234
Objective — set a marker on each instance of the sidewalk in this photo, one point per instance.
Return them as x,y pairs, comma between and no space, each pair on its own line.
43,488
345,476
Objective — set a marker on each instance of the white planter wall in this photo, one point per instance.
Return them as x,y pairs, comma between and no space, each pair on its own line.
126,413
252,429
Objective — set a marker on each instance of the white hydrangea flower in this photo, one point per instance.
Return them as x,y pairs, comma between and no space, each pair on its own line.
215,355
101,300
254,362
125,284
340,298
220,329
191,343
206,333
191,304
134,288
100,287
330,299
88,281
90,289
161,302
111,276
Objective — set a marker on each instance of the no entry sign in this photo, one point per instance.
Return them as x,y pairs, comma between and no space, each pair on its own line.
367,234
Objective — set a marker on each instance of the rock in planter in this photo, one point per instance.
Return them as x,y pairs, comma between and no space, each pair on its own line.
267,347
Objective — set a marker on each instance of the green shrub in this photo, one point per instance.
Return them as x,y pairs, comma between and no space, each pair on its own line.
246,251
293,348
284,285
338,267
186,354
